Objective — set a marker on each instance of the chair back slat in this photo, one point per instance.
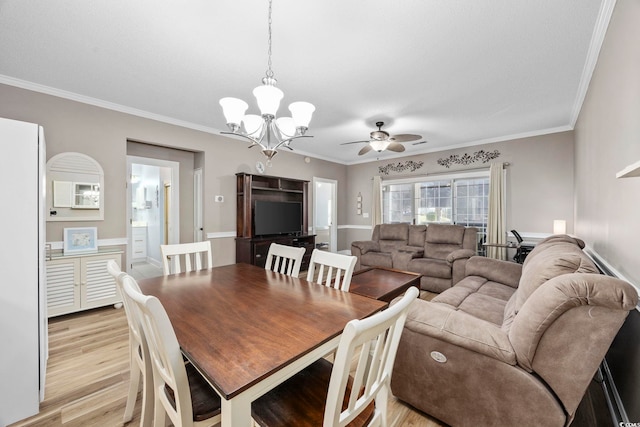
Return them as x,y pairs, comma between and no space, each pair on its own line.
339,269
175,256
284,259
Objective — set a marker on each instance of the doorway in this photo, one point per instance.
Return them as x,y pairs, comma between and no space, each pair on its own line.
325,214
152,214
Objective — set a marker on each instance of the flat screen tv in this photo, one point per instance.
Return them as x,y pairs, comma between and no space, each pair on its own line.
271,218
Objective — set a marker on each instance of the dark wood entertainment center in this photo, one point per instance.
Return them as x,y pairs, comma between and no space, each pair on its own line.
253,249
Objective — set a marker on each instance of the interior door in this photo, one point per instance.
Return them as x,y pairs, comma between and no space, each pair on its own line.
198,223
325,213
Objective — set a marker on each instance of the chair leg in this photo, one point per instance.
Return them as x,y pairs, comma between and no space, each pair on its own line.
134,385
146,417
160,418
382,400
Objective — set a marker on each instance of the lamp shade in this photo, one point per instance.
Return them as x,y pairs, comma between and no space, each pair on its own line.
301,113
379,145
559,226
268,98
286,127
253,125
233,109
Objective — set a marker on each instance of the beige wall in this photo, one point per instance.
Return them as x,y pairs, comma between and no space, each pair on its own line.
103,135
607,136
539,181
540,178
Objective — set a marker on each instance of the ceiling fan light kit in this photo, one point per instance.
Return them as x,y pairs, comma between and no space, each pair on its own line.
267,131
380,140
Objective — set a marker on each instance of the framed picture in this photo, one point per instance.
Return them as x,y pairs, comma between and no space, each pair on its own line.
80,240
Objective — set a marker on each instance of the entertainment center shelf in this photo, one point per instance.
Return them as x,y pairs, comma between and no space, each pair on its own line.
251,247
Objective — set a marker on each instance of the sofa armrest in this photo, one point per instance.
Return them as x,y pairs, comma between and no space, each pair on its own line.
366,246
457,260
416,251
404,254
459,254
505,272
461,329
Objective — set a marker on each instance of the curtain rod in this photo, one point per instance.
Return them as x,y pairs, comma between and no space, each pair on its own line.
439,173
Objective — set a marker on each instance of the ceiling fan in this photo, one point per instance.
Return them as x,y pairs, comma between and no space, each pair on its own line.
380,140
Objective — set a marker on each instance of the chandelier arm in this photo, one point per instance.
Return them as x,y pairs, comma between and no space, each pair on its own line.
253,140
288,140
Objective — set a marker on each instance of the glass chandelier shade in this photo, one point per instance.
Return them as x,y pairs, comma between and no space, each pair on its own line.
379,145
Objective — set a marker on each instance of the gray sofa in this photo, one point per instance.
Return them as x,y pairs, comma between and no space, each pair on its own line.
512,344
438,252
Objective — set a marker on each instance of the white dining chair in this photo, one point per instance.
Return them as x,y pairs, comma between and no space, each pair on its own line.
139,360
187,254
326,395
284,259
180,392
331,269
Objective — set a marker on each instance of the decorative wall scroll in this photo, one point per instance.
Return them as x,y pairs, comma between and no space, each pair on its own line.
409,165
466,159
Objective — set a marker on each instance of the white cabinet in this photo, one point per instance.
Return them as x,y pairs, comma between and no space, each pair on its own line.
139,247
80,282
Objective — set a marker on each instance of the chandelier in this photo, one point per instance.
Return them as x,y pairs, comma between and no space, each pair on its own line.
265,130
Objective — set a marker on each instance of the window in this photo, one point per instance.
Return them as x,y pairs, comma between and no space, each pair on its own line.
456,199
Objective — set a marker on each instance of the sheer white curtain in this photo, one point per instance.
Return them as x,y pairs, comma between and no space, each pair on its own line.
496,227
376,200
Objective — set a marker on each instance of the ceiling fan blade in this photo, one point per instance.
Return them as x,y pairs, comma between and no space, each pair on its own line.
365,150
421,142
395,146
405,137
354,142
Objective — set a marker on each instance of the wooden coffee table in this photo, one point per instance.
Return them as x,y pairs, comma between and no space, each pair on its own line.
383,284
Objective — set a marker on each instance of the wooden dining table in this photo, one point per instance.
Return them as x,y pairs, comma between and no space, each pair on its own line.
247,329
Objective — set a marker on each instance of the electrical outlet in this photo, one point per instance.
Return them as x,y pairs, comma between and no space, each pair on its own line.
218,199
365,215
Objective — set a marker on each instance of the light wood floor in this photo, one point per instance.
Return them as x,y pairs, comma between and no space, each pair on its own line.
88,375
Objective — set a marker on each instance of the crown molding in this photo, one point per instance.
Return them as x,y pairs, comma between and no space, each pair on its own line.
597,39
72,96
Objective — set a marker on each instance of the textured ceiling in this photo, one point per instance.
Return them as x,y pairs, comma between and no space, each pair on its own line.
457,72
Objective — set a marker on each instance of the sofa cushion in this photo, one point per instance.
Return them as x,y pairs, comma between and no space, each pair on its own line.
478,296
445,233
442,239
391,245
416,235
430,267
394,232
377,259
555,259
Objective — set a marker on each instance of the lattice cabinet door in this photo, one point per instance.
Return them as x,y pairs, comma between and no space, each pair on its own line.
98,286
63,286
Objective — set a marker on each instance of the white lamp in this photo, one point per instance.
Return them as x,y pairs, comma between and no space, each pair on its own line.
559,226
268,98
379,145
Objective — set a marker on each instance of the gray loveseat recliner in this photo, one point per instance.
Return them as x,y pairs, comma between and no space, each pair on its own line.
512,344
438,252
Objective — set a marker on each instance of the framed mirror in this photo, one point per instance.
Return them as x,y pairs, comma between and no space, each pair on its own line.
75,188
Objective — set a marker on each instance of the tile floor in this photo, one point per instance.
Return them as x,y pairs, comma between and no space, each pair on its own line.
144,270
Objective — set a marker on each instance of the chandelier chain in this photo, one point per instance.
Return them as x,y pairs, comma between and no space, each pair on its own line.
269,71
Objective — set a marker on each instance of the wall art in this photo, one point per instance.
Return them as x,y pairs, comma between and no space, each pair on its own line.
409,165
466,159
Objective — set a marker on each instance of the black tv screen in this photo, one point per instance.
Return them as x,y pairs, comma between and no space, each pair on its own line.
271,218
